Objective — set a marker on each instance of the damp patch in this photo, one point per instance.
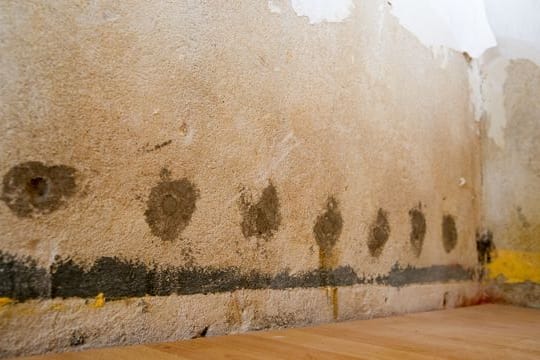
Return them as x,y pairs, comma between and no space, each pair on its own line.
418,229
263,218
170,206
34,188
379,233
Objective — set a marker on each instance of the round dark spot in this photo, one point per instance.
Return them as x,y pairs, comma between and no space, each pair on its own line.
379,233
449,232
263,218
418,229
170,206
328,227
33,187
38,187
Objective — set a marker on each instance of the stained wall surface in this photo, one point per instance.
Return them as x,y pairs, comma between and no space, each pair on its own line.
512,189
182,169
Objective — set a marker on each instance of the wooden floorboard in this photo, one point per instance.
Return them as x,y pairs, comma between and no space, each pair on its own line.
477,332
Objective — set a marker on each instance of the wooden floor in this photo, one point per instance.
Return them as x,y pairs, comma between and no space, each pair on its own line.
478,332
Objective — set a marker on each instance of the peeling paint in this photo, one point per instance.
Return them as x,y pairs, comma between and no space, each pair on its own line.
319,11
273,7
447,23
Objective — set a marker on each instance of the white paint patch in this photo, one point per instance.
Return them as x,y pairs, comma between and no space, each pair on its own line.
273,7
516,24
461,25
323,10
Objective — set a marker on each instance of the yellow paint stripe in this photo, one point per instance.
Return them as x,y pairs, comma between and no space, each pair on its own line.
6,301
515,266
99,301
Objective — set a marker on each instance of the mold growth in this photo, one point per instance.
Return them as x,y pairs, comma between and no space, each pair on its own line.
116,278
263,218
22,279
418,229
379,233
170,206
484,246
111,276
34,188
327,230
449,232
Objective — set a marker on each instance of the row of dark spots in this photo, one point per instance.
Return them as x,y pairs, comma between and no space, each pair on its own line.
22,279
33,187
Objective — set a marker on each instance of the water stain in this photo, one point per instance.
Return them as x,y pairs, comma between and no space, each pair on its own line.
119,278
379,233
170,206
21,278
484,246
449,232
418,229
261,219
327,230
35,188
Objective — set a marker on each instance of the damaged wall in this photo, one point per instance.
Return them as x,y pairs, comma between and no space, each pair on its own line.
510,85
172,170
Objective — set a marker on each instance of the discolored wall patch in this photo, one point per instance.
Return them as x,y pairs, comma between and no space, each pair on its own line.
21,278
418,229
170,206
261,219
35,188
116,278
449,233
484,246
327,230
379,233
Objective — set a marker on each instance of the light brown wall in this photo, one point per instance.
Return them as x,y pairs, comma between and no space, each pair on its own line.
218,101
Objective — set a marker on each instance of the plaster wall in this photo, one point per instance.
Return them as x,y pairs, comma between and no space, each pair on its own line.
181,169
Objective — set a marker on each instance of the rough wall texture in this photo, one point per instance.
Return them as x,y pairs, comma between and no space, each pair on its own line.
512,188
177,169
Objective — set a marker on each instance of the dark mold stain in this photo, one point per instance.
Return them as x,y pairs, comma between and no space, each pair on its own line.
379,233
170,206
32,187
119,278
112,276
22,279
327,230
449,232
484,246
418,229
77,338
263,218
399,277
